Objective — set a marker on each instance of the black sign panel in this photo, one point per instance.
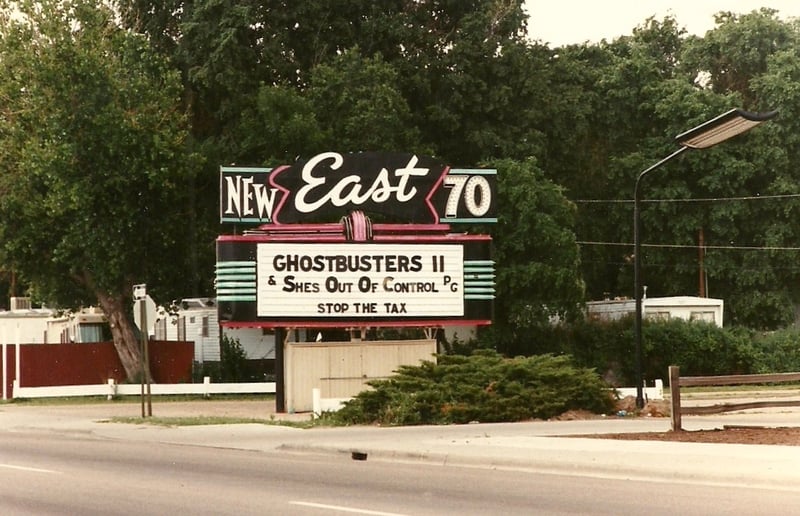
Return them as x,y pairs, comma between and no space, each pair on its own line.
397,187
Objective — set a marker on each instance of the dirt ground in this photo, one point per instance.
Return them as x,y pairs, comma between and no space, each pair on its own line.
786,436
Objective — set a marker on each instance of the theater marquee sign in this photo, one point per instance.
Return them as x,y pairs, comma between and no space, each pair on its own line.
317,260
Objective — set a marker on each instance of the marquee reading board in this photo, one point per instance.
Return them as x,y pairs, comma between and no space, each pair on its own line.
430,280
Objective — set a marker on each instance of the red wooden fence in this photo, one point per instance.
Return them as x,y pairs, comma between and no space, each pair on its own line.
47,365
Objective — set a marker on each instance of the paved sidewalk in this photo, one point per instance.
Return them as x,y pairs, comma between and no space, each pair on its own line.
533,446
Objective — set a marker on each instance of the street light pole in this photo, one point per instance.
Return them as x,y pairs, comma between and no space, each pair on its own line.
705,135
637,278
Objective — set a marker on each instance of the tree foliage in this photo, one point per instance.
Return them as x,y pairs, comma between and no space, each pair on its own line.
537,250
99,124
93,159
657,84
460,79
455,80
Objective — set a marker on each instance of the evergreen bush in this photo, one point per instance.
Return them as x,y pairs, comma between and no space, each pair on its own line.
484,387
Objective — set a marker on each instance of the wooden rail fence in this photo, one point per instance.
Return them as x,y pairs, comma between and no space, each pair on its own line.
676,381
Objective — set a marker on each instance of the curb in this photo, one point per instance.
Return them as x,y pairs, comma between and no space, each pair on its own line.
662,464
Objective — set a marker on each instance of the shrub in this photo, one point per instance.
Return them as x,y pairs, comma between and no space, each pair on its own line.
233,360
699,348
481,387
778,351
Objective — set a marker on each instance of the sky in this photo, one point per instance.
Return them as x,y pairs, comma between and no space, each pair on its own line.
561,22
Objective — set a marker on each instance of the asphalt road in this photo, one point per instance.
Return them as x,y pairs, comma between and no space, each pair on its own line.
48,472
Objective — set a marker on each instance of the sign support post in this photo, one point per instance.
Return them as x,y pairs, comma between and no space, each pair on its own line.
280,381
140,297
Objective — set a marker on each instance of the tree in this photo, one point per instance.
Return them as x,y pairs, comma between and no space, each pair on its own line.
749,227
538,274
266,81
93,159
456,63
358,102
738,50
649,87
612,132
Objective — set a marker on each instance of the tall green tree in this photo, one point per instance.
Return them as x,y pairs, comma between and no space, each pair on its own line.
748,220
651,86
358,102
93,159
610,91
538,276
268,81
458,65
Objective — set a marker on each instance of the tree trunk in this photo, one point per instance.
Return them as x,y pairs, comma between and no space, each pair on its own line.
125,340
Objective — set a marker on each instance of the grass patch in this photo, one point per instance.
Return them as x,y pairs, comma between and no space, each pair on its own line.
164,398
215,420
75,400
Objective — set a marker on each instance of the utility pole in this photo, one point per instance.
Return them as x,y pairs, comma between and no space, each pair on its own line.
701,244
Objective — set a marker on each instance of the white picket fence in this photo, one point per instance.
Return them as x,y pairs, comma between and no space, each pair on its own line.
112,389
205,389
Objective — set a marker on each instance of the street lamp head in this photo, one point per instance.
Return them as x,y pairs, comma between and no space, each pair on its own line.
721,128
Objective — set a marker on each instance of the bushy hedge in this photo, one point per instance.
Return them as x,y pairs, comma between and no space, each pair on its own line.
699,348
777,351
483,387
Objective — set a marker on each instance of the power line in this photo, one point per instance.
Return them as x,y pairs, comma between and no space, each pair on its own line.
663,265
679,246
708,199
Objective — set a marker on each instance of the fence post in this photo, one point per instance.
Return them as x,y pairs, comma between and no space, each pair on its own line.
316,402
112,389
675,397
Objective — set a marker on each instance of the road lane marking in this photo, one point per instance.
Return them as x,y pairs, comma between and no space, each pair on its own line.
26,468
342,508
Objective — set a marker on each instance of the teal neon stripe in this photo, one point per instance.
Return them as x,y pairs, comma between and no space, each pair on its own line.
244,169
473,171
478,290
469,283
478,297
236,298
478,262
478,270
233,274
235,284
475,278
236,264
254,220
228,293
236,277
